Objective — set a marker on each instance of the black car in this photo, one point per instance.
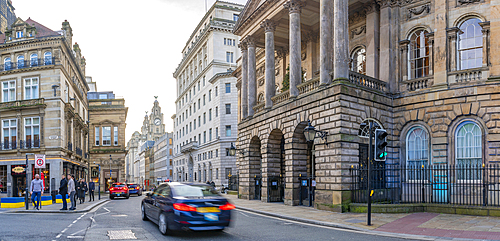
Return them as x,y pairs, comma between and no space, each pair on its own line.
186,206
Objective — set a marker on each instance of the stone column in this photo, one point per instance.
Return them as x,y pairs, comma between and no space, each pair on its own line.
269,27
486,42
244,79
294,7
373,40
494,59
440,38
452,41
430,36
404,58
341,40
325,41
252,80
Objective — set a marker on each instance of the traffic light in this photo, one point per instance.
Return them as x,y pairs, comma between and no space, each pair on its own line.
380,144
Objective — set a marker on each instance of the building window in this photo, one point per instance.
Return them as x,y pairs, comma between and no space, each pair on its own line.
417,152
198,85
235,17
468,150
199,121
210,95
194,124
9,90
31,88
210,134
194,107
216,91
97,136
216,173
47,58
9,134
34,60
19,34
204,137
216,152
20,62
418,55
470,44
228,109
216,132
7,63
106,136
204,102
228,88
260,99
210,115
32,131
229,57
358,60
115,135
199,104
170,159
228,131
205,118
216,111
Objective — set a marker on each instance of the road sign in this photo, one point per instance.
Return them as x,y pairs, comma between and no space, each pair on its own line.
39,161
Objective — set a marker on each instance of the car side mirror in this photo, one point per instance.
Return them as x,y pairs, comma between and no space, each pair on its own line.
148,194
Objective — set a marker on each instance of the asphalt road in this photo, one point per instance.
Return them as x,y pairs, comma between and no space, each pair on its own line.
122,215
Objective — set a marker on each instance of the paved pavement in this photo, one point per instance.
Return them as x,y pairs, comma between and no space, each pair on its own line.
425,225
54,208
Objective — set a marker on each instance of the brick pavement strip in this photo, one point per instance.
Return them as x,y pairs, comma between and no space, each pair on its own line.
54,208
424,225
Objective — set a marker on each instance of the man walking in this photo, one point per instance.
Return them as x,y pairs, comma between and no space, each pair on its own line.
72,191
91,190
36,191
63,190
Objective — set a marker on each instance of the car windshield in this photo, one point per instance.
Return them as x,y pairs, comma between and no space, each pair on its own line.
118,185
132,185
194,191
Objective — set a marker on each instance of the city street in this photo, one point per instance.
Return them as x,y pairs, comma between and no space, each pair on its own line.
123,214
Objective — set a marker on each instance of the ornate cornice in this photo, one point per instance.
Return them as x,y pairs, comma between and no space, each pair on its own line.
294,6
419,10
269,25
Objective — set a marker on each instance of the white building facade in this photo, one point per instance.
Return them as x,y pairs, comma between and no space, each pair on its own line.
205,123
163,158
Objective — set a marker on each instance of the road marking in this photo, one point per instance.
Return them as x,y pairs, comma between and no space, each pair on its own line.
75,237
64,230
69,226
78,232
244,215
59,235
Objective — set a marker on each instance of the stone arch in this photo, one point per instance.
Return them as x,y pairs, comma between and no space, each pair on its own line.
415,28
274,165
255,166
466,16
452,129
403,137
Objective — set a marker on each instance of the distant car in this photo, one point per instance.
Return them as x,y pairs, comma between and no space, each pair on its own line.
134,189
118,189
186,206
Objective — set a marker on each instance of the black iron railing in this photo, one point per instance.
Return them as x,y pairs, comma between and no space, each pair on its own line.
9,145
78,151
29,144
448,184
22,64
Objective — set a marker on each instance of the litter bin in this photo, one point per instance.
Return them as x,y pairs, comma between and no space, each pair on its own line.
54,193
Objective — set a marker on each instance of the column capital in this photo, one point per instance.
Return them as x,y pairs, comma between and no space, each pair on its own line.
485,26
452,32
269,25
243,46
430,36
387,3
371,7
282,52
294,6
250,41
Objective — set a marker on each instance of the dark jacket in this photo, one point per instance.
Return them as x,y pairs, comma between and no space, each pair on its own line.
79,190
91,186
63,187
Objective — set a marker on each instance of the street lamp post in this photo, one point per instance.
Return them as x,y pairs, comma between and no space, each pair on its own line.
27,176
99,180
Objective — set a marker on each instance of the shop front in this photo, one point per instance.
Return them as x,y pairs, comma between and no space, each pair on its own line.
18,180
3,179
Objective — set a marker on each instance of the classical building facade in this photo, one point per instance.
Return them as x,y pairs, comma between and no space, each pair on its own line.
7,15
163,158
425,71
43,105
205,123
108,116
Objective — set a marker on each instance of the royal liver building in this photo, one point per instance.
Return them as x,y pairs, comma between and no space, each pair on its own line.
205,123
425,71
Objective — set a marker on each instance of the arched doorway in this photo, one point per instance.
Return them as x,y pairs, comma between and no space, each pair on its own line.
275,163
300,189
255,168
189,177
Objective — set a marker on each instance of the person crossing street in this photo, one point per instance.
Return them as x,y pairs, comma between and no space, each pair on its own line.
36,191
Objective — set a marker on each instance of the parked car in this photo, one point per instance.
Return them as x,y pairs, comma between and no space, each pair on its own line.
134,189
186,206
118,189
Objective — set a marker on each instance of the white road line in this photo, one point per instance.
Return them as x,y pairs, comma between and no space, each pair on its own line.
59,235
244,214
75,237
64,230
75,221
103,213
69,226
78,232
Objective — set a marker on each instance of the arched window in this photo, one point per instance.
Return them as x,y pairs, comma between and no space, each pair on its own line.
470,44
364,129
260,99
358,60
47,58
20,62
417,147
34,59
418,59
468,150
7,64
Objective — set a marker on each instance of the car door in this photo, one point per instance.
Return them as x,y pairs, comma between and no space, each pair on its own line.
148,204
154,210
164,200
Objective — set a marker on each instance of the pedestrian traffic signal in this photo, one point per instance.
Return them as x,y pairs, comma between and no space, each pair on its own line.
380,145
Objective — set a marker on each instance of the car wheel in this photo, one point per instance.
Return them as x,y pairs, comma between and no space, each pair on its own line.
143,213
163,224
140,194
127,196
111,197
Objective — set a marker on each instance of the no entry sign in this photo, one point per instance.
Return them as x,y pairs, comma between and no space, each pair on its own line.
39,161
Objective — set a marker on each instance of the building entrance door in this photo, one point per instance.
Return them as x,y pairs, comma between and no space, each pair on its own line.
19,186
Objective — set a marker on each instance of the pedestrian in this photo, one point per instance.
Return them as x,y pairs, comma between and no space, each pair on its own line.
208,182
72,191
83,189
63,190
78,190
36,191
212,184
91,190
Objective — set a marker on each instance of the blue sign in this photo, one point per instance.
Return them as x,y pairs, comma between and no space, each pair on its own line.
304,182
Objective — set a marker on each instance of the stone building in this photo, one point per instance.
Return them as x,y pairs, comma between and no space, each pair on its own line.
132,155
206,106
163,158
108,116
43,106
7,15
425,71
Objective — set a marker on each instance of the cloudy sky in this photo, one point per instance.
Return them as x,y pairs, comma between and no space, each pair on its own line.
131,47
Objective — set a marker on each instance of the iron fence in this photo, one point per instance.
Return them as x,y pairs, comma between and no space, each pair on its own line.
445,184
29,144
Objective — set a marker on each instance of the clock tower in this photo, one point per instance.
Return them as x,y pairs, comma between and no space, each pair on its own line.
153,126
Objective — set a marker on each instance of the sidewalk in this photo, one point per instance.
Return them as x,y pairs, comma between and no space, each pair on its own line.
54,208
407,225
